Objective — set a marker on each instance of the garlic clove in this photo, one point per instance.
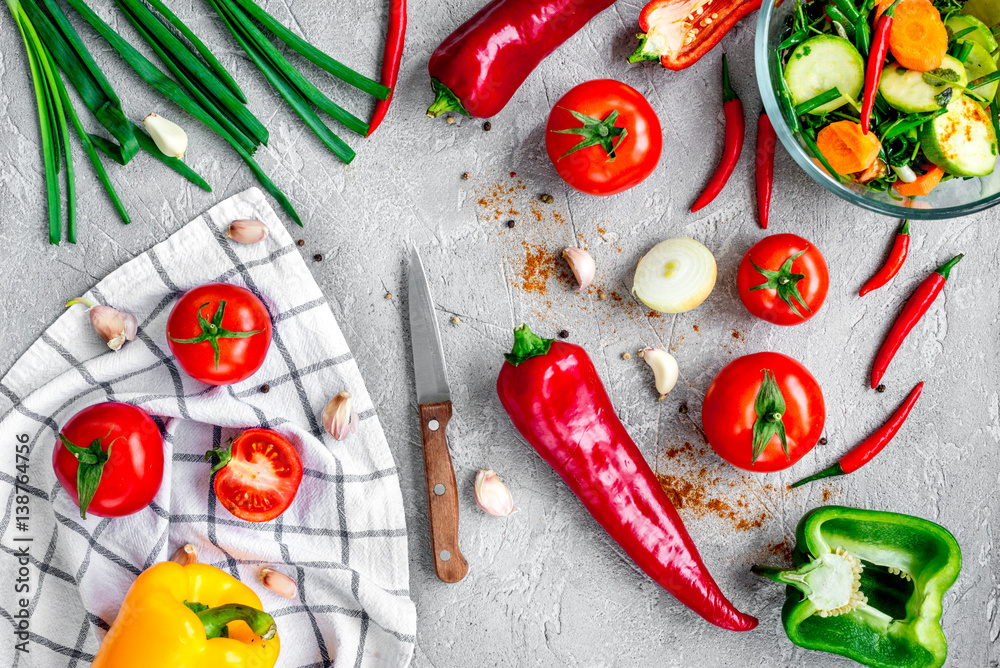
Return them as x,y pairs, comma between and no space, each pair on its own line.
278,582
113,326
169,137
583,266
185,554
339,418
492,495
247,231
664,366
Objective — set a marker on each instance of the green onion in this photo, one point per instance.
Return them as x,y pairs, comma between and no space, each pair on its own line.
961,51
221,72
176,56
818,101
306,88
963,33
984,80
292,96
838,16
158,80
904,125
310,52
148,145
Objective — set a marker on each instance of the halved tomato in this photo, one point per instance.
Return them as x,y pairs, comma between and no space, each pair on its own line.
258,474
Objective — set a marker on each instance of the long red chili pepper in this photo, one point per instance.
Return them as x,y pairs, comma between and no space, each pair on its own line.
766,141
918,304
871,446
900,247
556,400
876,59
477,68
735,132
391,58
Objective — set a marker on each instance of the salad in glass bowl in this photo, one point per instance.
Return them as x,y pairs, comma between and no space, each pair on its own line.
893,97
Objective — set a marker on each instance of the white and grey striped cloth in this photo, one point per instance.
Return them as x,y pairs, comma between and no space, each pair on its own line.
343,539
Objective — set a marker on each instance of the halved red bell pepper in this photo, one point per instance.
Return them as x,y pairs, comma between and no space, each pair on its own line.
679,32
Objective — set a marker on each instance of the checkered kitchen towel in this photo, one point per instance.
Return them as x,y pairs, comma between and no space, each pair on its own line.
343,539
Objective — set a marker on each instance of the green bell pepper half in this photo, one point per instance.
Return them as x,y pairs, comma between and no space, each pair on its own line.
889,616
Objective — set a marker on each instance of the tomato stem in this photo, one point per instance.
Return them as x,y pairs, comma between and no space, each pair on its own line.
224,452
596,132
770,408
91,466
784,282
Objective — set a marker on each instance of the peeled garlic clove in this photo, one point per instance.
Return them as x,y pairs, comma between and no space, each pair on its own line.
339,418
247,231
278,582
169,137
583,266
664,368
113,326
185,554
492,495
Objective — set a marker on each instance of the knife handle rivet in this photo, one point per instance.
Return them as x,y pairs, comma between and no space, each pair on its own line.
433,425
439,489
445,555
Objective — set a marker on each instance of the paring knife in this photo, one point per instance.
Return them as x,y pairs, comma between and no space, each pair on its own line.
434,403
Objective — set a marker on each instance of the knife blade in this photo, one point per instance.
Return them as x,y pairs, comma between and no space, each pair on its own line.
434,406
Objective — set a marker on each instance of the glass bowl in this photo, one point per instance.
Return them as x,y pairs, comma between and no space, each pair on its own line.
951,199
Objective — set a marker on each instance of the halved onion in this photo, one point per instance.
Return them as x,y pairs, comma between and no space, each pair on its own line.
675,276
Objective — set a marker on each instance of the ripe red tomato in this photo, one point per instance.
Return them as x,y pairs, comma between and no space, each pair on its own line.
122,454
257,475
595,168
794,276
219,333
731,419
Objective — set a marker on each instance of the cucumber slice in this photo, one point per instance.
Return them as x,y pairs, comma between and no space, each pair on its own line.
987,11
821,63
907,91
978,64
982,36
961,141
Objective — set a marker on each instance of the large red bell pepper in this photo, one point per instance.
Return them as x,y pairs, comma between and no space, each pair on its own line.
479,67
555,398
679,32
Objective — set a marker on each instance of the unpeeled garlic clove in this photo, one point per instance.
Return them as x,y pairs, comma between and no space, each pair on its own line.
278,582
169,137
113,326
664,368
492,495
339,418
185,554
247,231
583,266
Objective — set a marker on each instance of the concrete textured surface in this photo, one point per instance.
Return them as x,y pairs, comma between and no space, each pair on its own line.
545,586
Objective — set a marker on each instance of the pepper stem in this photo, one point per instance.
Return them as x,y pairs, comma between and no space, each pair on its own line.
904,229
828,472
215,620
946,268
527,344
728,94
444,101
643,51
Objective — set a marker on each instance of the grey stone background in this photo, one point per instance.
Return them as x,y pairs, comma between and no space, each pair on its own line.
545,586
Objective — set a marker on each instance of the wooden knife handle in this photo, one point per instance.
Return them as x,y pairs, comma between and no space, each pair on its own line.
442,492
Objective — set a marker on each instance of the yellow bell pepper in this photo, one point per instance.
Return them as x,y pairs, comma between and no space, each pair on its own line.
156,628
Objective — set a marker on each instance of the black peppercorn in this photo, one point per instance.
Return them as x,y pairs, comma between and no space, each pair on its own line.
317,257
510,223
880,388
683,408
822,441
563,334
265,388
487,126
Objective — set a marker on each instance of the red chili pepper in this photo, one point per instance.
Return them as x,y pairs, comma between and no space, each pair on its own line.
391,58
872,445
679,32
478,68
918,304
735,133
897,256
556,400
766,141
876,59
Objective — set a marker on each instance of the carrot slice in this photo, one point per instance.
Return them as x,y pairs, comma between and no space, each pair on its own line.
846,148
924,184
917,38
